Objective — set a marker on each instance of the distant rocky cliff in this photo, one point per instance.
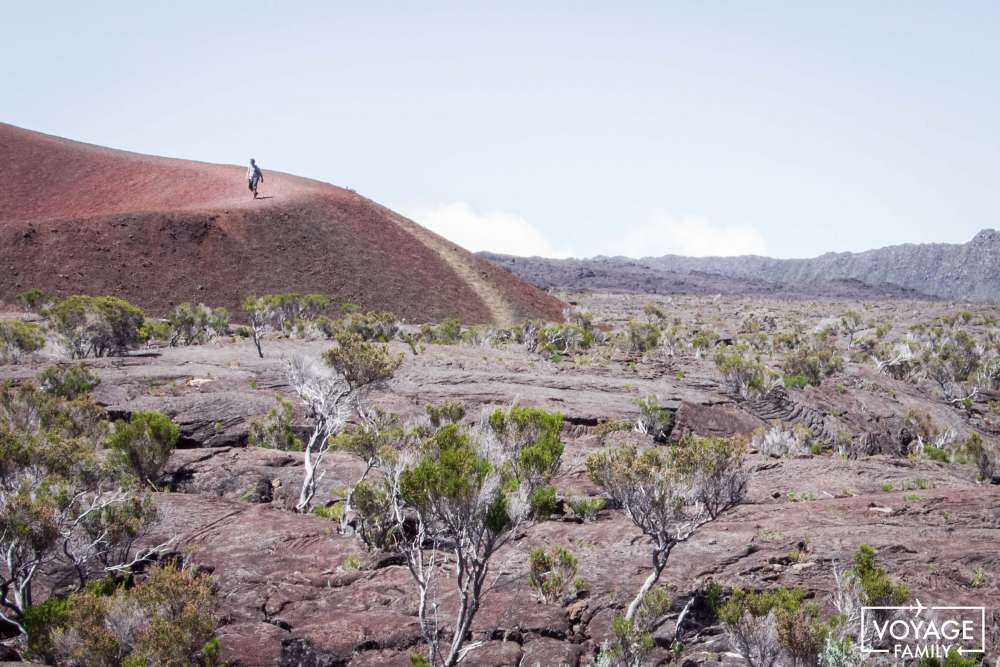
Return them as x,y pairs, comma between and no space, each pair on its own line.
969,271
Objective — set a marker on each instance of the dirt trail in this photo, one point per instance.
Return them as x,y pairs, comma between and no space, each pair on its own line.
459,261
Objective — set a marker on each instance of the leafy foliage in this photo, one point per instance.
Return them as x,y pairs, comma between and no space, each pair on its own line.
18,339
97,325
168,619
275,430
654,419
68,381
669,495
144,443
552,573
196,324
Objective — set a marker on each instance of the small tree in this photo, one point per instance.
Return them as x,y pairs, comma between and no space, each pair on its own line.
350,371
196,324
97,325
469,491
459,492
59,498
670,495
18,339
260,316
143,444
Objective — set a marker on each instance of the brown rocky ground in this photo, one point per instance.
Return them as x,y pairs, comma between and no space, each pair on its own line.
291,595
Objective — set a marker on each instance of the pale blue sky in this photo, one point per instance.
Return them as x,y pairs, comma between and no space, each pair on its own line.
584,128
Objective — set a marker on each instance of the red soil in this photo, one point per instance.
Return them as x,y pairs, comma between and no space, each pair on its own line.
77,218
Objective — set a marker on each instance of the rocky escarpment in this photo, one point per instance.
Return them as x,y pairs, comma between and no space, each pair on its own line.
969,271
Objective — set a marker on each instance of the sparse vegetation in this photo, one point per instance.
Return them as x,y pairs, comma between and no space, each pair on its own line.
143,444
654,419
552,574
68,381
274,430
96,326
668,496
196,324
18,339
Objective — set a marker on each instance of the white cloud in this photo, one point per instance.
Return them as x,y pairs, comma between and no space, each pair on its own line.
495,231
687,235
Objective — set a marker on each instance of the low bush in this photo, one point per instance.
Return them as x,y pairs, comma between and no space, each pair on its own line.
779,442
380,327
639,337
764,626
447,332
68,381
742,373
448,412
274,430
654,419
18,339
196,324
552,573
586,508
813,363
34,299
97,325
877,587
143,444
167,619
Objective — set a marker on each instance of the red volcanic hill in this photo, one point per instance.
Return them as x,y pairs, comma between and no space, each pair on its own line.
77,218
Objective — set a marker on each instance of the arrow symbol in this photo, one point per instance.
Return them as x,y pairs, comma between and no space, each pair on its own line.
920,607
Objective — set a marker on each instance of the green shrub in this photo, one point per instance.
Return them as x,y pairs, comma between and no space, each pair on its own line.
633,641
654,419
196,324
813,363
742,373
749,617
586,508
168,619
97,325
34,299
18,339
878,588
372,326
795,381
613,426
361,363
275,430
69,382
640,337
447,412
447,332
40,621
552,573
143,444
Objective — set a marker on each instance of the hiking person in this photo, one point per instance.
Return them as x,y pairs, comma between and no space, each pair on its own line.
254,176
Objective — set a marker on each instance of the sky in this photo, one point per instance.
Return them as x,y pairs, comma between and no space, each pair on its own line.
559,129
